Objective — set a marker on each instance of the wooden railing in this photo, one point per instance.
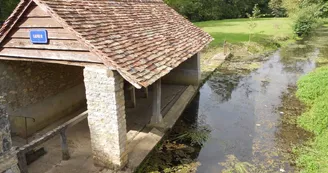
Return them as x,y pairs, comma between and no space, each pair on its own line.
61,130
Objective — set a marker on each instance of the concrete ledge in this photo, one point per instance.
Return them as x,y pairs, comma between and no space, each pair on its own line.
143,148
180,105
145,142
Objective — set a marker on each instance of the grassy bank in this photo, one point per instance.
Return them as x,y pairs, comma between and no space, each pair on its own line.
313,90
237,30
269,34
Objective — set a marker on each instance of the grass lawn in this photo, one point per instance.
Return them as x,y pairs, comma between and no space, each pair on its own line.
237,31
313,90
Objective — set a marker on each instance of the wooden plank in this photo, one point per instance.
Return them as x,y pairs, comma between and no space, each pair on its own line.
35,11
60,33
30,146
82,64
53,45
50,54
38,23
59,130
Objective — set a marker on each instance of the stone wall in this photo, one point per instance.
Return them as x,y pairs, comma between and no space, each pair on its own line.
106,117
8,159
187,73
33,89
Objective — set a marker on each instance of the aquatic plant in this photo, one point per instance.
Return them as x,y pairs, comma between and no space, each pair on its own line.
197,135
233,165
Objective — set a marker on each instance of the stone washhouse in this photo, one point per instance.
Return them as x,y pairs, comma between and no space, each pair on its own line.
89,85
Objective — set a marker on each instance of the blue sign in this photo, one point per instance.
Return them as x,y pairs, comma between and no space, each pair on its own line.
39,36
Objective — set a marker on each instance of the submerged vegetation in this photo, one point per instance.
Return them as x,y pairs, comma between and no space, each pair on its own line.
313,90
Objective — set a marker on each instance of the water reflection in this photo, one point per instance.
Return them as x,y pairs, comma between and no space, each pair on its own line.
247,130
242,111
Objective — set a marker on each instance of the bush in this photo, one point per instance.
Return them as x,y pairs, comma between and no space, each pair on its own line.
305,20
277,8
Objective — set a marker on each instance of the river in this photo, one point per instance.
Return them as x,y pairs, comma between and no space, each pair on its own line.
243,116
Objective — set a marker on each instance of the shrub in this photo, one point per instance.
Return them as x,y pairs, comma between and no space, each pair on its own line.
277,8
305,20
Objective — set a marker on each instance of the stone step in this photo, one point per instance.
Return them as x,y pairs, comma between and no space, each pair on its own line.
145,144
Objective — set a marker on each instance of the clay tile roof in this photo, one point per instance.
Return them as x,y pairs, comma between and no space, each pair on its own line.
142,39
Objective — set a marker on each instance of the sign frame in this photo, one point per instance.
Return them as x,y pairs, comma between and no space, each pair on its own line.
39,36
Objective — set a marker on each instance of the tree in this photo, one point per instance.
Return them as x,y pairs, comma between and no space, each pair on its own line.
277,8
6,8
252,23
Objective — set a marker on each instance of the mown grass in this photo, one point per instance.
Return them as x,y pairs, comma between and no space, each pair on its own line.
313,90
236,31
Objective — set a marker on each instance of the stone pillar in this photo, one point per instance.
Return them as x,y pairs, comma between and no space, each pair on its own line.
157,96
8,158
106,117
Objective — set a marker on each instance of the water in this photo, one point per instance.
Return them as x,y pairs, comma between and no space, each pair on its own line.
242,113
241,110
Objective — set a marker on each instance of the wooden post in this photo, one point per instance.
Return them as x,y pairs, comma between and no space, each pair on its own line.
22,163
133,96
225,48
157,116
65,152
146,92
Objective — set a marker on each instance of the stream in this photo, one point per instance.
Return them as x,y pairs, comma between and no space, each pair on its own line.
241,118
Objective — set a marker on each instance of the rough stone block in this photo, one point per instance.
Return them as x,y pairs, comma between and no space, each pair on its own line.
106,116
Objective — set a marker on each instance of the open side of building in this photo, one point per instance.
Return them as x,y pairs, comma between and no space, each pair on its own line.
108,85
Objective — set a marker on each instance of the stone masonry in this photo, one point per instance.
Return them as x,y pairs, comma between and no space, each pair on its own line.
106,117
27,86
8,159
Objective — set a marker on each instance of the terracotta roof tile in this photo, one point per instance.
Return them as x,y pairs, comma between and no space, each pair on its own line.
143,39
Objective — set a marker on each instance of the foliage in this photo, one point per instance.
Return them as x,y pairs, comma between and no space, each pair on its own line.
197,135
306,14
202,10
305,20
277,8
233,165
313,85
252,24
313,90
6,7
313,158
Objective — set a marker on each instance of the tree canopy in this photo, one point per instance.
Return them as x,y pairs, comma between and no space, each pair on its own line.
6,7
202,10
